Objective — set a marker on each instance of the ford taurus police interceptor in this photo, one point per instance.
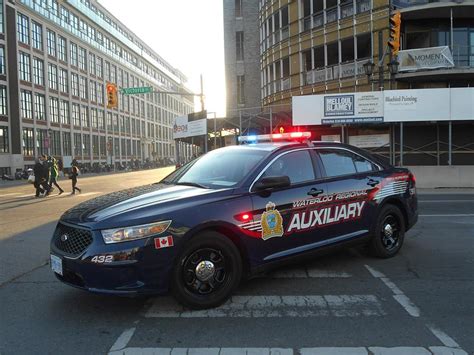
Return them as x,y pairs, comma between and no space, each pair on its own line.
233,213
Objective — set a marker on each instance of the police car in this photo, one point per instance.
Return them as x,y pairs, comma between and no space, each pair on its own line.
231,214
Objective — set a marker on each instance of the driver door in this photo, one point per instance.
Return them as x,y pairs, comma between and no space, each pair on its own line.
286,221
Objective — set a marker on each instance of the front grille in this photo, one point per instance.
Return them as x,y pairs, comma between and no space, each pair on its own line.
72,241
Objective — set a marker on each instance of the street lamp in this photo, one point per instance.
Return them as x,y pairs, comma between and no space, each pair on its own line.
393,67
369,68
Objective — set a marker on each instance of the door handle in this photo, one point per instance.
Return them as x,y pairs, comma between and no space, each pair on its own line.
373,182
315,192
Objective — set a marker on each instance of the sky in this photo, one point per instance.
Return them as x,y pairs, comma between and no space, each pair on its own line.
188,34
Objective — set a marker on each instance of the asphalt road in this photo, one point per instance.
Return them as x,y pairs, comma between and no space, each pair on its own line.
419,302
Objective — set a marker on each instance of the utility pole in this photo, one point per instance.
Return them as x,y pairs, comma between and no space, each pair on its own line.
202,95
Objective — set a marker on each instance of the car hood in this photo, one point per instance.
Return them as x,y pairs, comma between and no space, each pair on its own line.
109,205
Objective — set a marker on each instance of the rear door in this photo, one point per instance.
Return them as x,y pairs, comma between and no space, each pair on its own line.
351,180
280,221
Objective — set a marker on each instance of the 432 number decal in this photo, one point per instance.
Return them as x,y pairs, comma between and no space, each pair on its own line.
100,259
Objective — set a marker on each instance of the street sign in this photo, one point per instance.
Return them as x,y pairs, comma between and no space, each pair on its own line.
139,90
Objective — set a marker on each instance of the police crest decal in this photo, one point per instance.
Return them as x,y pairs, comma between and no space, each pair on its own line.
272,222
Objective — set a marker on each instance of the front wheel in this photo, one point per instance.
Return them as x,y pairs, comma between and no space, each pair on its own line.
207,271
389,232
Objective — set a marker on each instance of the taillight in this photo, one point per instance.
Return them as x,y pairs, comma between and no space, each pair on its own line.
412,179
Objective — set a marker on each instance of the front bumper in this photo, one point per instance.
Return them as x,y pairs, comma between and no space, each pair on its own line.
128,268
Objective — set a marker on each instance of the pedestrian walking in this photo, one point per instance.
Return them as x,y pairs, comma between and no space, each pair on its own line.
41,182
73,177
53,174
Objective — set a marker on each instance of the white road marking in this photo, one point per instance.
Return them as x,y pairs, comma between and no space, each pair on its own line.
398,294
275,306
447,215
311,272
400,350
123,339
443,337
442,201
87,194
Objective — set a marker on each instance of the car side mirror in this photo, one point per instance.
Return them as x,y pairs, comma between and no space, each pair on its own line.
272,182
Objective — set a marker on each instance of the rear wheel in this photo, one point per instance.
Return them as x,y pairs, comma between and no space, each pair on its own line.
207,271
389,232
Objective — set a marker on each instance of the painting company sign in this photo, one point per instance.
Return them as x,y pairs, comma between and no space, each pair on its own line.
425,58
182,128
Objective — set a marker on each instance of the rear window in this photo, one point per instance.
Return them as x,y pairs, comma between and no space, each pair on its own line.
340,162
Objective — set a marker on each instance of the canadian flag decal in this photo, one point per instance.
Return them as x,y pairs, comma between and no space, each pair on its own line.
164,242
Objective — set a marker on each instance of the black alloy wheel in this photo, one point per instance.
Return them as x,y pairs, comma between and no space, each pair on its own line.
389,232
207,271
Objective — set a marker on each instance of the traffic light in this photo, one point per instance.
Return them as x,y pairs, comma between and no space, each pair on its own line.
112,99
395,23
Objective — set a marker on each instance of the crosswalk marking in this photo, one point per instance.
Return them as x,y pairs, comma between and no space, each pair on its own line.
311,272
399,350
275,306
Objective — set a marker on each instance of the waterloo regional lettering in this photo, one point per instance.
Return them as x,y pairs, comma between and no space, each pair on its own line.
309,219
330,198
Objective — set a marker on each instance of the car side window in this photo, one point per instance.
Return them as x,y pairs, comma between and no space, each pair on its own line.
340,162
298,166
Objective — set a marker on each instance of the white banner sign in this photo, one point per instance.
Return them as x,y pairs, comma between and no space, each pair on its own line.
370,140
338,108
425,58
415,105
182,128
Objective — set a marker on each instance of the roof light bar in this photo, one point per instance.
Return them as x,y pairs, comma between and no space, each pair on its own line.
275,137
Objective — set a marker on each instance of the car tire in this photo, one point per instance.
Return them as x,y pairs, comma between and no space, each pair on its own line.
389,232
207,271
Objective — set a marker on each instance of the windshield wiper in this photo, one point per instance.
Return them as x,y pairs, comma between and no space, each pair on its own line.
195,184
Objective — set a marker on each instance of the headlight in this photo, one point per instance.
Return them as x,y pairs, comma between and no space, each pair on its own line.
134,232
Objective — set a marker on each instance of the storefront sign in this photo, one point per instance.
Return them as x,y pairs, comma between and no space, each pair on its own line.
425,58
182,128
370,140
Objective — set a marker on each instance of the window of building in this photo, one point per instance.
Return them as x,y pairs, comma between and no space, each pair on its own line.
53,76
347,8
109,122
94,121
83,87
82,59
62,49
41,138
40,107
28,142
67,143
63,85
38,71
240,89
25,67
85,116
332,53
36,35
51,43
100,94
239,45
238,8
101,119
362,6
92,65
23,28
3,101
64,112
55,142
86,144
26,104
76,119
99,65
4,140
102,146
54,109
75,84
2,60
95,145
107,71
364,46
77,145
74,55
93,91
285,67
307,60
347,49
1,17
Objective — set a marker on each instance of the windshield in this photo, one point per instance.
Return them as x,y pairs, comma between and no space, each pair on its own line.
218,169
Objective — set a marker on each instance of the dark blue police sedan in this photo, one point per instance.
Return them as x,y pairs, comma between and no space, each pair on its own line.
233,213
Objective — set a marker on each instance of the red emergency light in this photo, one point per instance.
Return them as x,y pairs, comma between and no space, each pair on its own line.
275,137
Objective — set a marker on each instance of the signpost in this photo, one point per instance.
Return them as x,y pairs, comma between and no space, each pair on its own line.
138,90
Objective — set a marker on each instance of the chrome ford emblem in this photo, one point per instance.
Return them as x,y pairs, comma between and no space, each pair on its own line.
64,238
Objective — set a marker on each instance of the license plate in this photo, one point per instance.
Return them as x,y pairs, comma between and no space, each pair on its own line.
57,264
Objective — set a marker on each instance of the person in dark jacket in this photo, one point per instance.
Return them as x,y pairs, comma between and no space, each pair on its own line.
41,177
73,177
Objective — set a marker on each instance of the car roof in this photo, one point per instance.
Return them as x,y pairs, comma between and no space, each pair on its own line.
270,146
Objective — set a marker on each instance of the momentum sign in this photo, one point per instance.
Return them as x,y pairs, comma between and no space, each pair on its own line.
183,128
139,90
425,58
413,105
